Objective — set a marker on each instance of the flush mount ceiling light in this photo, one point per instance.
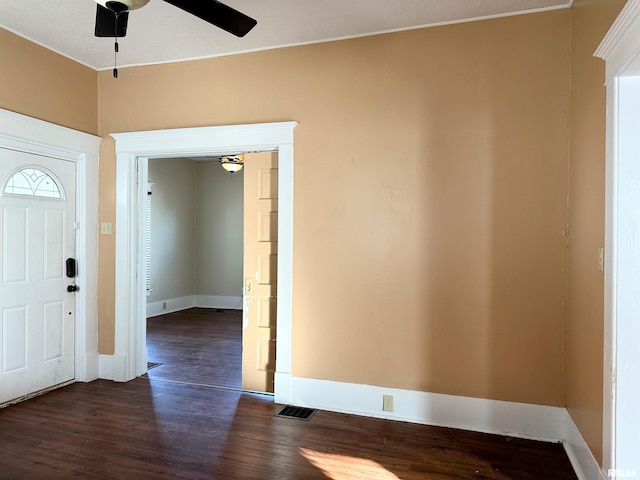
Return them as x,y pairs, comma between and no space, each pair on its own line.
232,163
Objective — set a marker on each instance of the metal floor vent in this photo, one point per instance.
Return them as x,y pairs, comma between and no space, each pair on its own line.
151,365
300,413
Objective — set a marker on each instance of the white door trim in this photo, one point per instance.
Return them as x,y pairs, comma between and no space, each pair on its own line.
26,134
620,49
133,150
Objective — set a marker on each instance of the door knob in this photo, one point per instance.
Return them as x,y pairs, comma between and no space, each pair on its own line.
72,288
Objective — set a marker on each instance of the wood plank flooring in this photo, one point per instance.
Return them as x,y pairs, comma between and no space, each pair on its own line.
153,428
199,345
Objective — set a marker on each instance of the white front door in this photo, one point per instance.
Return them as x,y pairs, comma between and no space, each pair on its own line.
37,236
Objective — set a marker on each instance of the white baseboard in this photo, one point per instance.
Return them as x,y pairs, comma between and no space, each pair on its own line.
538,422
524,420
112,367
203,301
282,388
91,368
105,367
170,305
214,301
580,456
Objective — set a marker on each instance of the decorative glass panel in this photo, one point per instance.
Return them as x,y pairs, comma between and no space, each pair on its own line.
33,183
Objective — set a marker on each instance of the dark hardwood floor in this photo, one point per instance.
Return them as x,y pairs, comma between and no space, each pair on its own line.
147,429
199,345
154,428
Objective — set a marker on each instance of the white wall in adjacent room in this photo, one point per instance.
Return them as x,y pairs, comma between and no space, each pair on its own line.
172,228
196,235
219,230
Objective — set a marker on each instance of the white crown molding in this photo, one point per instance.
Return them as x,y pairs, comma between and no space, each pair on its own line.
617,47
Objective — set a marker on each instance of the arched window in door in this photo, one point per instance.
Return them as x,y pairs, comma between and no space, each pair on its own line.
33,182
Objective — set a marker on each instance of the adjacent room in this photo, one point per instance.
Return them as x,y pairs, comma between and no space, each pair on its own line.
195,277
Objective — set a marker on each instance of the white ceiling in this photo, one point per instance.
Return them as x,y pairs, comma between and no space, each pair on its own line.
160,32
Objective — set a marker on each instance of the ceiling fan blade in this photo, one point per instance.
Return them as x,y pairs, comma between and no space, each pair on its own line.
218,14
106,23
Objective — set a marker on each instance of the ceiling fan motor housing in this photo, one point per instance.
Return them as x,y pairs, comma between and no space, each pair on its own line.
128,5
112,16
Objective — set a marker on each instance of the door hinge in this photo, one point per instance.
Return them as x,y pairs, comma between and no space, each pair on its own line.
614,377
76,225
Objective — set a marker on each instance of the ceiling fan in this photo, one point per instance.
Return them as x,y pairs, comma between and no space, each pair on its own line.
112,17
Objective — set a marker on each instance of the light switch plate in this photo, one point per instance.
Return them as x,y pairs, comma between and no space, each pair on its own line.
105,228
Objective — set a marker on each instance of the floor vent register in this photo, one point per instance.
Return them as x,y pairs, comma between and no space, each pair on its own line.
299,413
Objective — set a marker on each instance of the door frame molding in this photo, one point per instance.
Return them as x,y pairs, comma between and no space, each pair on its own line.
26,134
620,49
133,151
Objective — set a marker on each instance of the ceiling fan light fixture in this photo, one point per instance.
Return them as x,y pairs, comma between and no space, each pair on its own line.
129,4
232,163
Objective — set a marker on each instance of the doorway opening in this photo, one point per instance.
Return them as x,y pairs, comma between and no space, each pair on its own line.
134,150
194,253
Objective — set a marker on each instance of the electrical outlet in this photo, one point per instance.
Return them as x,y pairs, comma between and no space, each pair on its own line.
387,403
164,305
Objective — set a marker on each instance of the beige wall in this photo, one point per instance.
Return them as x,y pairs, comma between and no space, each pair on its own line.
173,213
219,230
41,84
585,303
442,274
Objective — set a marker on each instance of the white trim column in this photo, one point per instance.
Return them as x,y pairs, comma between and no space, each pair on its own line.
621,424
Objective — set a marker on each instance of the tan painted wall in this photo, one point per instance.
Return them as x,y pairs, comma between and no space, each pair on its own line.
42,84
590,21
430,193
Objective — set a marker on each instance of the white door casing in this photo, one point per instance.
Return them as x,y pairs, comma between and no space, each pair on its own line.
620,48
25,134
37,234
133,151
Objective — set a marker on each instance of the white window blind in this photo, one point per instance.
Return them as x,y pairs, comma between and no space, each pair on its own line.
148,238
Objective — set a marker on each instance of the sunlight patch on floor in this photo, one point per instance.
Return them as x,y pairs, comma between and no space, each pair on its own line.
343,467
